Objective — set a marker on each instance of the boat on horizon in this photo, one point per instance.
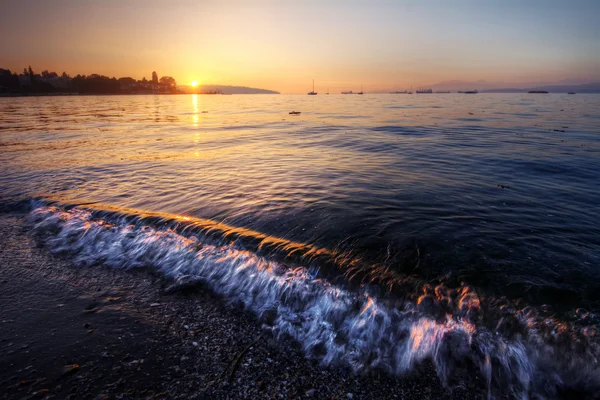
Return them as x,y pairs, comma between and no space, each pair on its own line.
410,92
348,92
571,93
398,92
424,91
361,91
538,91
313,93
443,91
470,92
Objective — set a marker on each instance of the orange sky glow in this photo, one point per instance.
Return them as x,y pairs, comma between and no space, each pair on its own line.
283,45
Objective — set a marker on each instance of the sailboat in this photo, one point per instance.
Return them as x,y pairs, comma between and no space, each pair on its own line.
361,92
327,91
313,93
410,91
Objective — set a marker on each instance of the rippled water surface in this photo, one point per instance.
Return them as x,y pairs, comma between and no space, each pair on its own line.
436,215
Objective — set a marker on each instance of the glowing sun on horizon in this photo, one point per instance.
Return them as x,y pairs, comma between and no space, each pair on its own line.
194,83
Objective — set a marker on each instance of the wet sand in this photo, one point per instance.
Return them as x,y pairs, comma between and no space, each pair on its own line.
94,333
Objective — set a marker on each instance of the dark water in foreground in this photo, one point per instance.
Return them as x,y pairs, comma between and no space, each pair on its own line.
375,230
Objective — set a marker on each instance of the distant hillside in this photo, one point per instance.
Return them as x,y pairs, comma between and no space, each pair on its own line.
585,88
506,90
464,85
574,85
225,89
564,86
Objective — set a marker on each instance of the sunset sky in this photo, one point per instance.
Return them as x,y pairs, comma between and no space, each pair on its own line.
283,45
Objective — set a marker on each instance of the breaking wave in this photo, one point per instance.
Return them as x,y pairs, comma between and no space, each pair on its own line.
341,310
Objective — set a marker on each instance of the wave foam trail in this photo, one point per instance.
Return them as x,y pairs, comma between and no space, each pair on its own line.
537,357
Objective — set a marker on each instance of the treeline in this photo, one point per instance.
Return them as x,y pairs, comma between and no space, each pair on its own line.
29,82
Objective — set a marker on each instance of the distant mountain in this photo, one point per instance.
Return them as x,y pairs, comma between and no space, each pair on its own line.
455,85
225,89
573,82
585,88
506,90
570,85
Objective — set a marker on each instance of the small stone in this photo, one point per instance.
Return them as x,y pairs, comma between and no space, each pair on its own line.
154,304
71,368
310,393
195,344
86,325
349,395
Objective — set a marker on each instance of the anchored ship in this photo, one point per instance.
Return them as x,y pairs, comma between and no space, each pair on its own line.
313,93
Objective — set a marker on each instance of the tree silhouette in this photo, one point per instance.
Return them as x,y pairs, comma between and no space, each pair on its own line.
31,76
126,81
49,75
168,81
95,83
8,81
49,81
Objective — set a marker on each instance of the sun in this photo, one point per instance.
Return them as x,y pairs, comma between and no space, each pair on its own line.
194,83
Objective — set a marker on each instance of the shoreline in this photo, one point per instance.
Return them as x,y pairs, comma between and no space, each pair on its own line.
94,332
59,94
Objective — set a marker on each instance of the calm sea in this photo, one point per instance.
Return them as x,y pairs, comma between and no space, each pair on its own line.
377,231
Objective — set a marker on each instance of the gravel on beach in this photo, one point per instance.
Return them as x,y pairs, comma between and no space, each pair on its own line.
73,332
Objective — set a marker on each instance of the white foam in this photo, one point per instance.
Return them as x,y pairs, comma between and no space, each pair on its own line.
333,324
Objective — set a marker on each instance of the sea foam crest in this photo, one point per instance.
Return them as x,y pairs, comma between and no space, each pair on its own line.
334,324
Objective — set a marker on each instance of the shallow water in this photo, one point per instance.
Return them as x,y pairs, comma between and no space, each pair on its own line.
376,230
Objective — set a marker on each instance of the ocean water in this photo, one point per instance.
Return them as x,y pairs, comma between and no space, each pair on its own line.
377,231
